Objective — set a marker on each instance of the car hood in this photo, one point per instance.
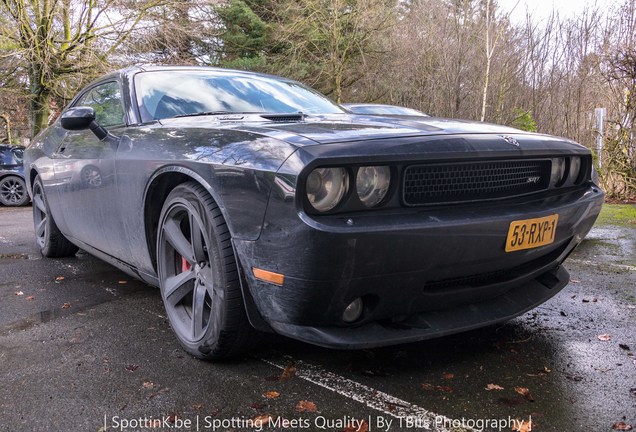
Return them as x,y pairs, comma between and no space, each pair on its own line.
334,128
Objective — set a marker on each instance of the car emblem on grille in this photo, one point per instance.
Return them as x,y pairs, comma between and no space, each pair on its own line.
510,140
533,179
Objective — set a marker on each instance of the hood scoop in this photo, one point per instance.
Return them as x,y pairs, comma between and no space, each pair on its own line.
284,117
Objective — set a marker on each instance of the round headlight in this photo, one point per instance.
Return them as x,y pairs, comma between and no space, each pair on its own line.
558,171
372,184
575,169
326,187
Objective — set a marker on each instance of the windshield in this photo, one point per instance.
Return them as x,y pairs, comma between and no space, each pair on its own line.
383,110
165,94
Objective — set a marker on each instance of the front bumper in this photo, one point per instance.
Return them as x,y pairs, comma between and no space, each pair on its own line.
422,272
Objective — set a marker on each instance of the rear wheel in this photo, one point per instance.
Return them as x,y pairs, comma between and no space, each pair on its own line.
199,277
13,191
50,240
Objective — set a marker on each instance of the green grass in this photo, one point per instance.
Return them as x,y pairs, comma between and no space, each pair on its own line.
617,214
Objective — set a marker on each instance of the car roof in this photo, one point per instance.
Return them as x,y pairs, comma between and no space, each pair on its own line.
130,71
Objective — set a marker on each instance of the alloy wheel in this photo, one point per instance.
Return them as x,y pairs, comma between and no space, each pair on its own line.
186,272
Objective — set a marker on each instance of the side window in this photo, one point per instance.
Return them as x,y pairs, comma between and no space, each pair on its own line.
105,99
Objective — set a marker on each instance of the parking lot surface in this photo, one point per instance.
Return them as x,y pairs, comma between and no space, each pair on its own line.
83,347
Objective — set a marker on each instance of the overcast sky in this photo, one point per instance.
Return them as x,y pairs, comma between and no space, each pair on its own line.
540,9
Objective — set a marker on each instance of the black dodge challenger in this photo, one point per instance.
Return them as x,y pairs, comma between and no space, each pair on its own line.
253,201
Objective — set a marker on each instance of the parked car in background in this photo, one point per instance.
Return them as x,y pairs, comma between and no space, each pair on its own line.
253,201
13,191
381,109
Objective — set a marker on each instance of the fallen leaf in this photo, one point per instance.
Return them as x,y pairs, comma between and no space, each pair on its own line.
493,387
575,281
622,426
271,394
427,386
19,293
448,376
123,282
148,385
625,347
523,391
59,279
197,407
66,305
522,426
263,420
288,372
306,406
132,367
541,372
30,298
604,337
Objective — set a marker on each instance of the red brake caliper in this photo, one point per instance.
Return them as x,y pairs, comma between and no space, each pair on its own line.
185,265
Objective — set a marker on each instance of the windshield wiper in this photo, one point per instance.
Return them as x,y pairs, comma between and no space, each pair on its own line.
207,113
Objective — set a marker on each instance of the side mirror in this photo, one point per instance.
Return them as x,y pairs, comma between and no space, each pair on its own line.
78,118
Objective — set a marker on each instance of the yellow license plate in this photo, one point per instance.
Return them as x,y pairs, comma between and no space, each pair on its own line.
531,233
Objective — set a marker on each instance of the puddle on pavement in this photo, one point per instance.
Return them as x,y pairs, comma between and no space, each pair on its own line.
53,314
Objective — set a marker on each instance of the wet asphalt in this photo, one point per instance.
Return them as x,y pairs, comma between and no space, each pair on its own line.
83,347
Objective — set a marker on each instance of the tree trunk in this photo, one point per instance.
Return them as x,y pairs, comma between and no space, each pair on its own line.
39,106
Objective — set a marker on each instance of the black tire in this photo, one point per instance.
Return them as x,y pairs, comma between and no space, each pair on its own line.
13,191
49,239
199,277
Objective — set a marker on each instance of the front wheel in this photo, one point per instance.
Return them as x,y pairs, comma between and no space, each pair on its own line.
50,240
13,191
199,277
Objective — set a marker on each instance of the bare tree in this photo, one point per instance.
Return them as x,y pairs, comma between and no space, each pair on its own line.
327,39
60,43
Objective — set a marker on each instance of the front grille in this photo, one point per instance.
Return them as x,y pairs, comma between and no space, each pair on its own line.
497,277
474,181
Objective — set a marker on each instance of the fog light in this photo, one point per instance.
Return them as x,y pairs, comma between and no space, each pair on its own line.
353,311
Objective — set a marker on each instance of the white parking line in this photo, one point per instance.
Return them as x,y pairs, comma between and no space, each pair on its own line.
420,418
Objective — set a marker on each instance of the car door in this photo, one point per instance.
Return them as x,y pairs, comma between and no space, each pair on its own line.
84,169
